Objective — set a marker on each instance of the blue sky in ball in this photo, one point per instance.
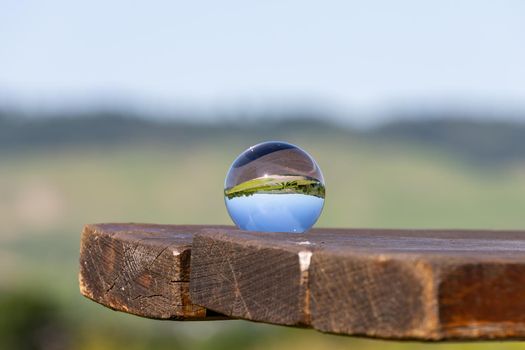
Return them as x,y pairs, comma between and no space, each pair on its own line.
357,58
275,212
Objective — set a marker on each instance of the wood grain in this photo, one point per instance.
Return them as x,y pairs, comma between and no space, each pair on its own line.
140,269
395,284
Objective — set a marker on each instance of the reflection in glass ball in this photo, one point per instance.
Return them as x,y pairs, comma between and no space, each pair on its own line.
274,187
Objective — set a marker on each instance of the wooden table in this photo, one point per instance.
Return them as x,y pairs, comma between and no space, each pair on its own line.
395,284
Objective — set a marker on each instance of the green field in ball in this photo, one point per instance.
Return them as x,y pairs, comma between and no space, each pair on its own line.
275,184
46,196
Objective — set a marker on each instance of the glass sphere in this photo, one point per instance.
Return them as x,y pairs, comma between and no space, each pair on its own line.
274,187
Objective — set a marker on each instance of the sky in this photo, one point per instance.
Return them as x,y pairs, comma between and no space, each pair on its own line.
359,60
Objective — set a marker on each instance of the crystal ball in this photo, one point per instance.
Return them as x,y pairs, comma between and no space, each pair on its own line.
274,187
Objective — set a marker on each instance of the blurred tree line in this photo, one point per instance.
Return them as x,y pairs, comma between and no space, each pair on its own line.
479,141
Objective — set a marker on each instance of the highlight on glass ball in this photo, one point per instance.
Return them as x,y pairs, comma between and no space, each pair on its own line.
274,187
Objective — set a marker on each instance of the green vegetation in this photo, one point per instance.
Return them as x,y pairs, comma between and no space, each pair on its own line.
488,142
47,194
277,184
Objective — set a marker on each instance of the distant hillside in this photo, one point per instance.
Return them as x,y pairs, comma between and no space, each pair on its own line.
105,129
485,142
492,142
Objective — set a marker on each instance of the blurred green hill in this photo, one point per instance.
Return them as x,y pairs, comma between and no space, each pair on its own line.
486,142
